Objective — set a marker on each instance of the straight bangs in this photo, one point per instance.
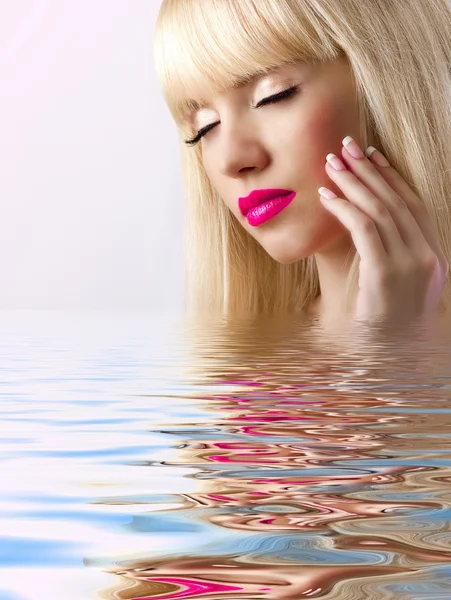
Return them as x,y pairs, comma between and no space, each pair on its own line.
204,47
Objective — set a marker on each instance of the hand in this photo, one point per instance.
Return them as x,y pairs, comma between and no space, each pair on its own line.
402,268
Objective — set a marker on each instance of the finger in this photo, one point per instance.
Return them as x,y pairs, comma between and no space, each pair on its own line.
362,198
362,228
416,206
387,197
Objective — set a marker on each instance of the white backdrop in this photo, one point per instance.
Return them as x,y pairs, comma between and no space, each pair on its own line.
90,192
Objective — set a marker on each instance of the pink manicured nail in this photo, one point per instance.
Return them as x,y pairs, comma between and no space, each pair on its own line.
352,147
327,193
376,157
335,162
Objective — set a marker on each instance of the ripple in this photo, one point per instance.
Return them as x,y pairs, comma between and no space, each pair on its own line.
239,459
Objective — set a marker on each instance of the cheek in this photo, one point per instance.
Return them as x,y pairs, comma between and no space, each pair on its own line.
324,131
207,169
321,133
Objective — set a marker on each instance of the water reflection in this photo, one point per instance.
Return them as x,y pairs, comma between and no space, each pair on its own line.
269,461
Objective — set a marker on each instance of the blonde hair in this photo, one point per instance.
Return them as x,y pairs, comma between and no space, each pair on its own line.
400,56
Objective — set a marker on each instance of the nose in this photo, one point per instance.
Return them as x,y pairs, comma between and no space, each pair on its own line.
241,148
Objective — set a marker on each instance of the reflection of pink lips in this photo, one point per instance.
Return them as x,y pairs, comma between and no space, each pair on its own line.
264,207
193,588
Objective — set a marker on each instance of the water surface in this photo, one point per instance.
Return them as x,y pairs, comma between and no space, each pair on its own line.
151,456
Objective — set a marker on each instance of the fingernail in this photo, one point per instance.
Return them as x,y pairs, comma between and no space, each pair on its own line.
376,157
352,147
327,193
335,162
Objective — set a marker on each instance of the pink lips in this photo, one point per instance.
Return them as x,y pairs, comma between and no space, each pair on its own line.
261,205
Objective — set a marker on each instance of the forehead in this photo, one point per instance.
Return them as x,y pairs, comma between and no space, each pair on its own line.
190,107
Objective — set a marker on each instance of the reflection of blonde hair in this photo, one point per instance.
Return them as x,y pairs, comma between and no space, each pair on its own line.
400,56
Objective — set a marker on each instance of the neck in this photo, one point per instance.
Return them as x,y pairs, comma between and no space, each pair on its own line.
333,264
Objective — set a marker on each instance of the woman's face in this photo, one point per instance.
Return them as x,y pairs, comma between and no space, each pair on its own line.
282,145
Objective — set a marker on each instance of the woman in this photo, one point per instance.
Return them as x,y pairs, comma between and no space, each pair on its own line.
263,92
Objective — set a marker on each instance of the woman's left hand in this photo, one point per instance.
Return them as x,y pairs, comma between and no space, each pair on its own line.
402,268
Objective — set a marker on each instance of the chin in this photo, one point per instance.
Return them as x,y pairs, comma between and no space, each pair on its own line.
287,256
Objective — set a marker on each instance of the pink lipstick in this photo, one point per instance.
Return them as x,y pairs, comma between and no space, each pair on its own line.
262,205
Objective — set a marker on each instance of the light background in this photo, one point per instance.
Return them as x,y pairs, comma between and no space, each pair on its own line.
90,184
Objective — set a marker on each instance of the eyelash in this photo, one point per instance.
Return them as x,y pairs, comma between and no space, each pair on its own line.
270,100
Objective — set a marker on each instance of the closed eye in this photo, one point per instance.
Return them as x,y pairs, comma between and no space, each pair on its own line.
270,100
